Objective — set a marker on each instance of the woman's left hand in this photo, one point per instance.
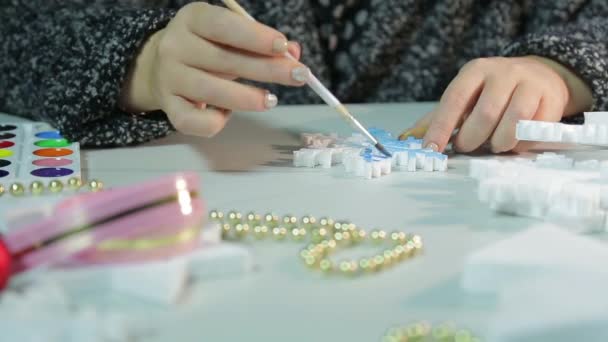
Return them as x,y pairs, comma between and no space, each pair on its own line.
490,95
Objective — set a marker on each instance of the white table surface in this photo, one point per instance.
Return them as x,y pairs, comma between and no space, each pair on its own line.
248,167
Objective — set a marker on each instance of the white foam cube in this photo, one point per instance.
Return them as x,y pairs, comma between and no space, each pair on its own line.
411,163
323,158
159,282
226,259
545,249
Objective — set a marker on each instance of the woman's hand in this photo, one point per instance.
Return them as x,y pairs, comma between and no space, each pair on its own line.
189,69
490,95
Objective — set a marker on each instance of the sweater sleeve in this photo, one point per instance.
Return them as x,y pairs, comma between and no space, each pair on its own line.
580,44
65,63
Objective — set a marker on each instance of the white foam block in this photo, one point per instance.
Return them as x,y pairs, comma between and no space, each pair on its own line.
158,282
559,308
226,259
593,132
544,249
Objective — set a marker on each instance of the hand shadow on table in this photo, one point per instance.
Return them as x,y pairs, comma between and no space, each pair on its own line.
241,146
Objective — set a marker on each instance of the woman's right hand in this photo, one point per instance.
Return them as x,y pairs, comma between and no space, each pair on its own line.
189,68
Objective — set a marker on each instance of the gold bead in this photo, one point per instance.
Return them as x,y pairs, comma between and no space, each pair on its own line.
74,183
417,240
254,218
17,189
326,265
260,232
226,229
241,230
331,244
463,336
389,258
364,265
354,267
215,215
2,190
360,235
271,220
55,186
345,267
346,236
279,233
324,221
442,333
298,233
377,235
379,262
398,236
234,216
337,226
36,187
315,236
305,252
399,252
310,261
95,185
338,237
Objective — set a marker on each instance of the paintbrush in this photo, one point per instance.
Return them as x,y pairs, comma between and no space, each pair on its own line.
319,88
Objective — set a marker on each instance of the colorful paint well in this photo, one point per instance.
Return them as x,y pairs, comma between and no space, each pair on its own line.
52,162
49,135
52,152
7,135
51,172
5,153
52,143
35,151
4,128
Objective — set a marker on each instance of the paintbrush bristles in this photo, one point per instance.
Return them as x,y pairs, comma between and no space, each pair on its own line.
235,7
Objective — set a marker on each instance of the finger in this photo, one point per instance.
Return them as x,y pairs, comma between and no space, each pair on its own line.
223,26
216,58
457,100
200,86
523,106
418,129
295,49
550,108
225,76
486,114
188,119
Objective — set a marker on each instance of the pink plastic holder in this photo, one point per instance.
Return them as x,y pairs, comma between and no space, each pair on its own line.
149,221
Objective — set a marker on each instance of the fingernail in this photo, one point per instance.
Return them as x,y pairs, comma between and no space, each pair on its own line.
432,146
406,134
270,100
300,74
279,45
295,49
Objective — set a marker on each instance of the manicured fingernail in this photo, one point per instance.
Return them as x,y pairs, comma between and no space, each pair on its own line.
279,45
300,74
432,146
270,100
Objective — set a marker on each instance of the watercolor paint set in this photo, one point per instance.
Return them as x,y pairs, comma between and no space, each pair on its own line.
36,152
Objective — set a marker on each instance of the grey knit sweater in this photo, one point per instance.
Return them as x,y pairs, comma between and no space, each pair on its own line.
64,61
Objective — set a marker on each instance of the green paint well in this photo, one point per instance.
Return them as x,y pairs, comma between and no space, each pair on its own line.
52,143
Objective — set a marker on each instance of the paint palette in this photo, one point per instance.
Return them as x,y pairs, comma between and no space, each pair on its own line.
36,152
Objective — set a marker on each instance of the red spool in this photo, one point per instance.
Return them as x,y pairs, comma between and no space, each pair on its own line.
5,265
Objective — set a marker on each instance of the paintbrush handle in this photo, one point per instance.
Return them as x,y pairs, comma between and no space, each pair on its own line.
313,82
